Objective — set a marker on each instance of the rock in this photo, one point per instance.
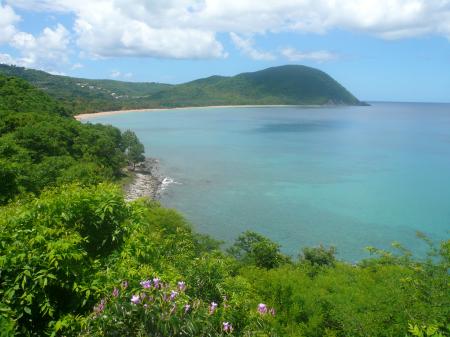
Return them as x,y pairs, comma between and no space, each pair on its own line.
146,181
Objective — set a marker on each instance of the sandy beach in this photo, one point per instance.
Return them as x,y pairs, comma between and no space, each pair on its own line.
118,112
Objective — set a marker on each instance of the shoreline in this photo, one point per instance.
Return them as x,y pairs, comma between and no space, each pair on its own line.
90,115
146,181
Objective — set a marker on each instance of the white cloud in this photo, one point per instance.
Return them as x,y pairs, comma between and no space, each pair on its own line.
318,56
43,51
120,28
8,19
7,59
118,74
246,46
189,28
115,74
77,66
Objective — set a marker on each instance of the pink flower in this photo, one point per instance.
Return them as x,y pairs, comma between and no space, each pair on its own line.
181,286
135,299
156,282
146,284
100,307
173,294
227,327
186,308
115,292
262,308
212,308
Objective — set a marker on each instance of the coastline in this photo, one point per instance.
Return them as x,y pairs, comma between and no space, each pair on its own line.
85,116
146,181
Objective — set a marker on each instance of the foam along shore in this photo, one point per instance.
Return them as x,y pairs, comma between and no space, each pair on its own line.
119,112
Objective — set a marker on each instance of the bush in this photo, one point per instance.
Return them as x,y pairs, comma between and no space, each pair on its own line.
255,249
319,256
47,248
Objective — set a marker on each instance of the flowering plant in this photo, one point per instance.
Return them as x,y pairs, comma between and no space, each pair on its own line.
158,308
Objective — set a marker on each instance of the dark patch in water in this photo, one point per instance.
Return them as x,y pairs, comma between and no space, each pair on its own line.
305,126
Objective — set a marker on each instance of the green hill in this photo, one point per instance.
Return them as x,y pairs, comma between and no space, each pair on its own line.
17,95
42,146
290,84
84,95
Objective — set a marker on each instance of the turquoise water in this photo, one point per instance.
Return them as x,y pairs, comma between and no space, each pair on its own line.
344,176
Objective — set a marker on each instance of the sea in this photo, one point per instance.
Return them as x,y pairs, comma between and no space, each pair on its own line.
349,177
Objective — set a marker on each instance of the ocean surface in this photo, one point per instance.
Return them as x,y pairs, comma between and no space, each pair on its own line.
345,176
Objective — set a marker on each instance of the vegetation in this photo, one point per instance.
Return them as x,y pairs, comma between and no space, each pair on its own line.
41,147
77,260
83,95
134,150
294,84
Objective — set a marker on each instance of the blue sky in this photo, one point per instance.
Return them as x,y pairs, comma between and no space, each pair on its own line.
393,50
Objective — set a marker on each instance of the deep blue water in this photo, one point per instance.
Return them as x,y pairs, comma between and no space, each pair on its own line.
344,176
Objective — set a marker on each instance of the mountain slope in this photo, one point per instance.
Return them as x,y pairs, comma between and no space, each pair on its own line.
290,84
85,95
17,95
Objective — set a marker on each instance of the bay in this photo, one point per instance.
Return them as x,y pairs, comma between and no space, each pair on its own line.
345,176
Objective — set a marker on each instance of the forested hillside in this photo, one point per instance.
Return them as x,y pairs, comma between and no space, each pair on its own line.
40,146
84,95
76,259
293,84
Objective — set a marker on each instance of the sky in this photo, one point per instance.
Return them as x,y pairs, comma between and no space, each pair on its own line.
380,50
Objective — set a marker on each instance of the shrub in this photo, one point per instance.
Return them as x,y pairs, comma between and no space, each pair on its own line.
47,247
319,256
253,248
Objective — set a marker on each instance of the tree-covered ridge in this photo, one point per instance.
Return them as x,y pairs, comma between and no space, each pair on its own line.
41,147
17,95
292,84
85,95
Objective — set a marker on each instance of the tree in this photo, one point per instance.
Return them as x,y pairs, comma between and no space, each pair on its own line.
134,150
320,256
253,248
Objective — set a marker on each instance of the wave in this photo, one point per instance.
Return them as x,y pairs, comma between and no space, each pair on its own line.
166,182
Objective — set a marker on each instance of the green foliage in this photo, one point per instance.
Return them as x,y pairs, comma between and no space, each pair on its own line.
40,148
134,150
156,309
253,248
9,186
319,256
51,247
432,330
19,96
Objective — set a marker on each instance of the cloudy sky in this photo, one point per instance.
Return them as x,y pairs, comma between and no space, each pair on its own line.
379,49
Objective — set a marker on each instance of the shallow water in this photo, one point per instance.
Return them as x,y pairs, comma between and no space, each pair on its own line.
344,176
